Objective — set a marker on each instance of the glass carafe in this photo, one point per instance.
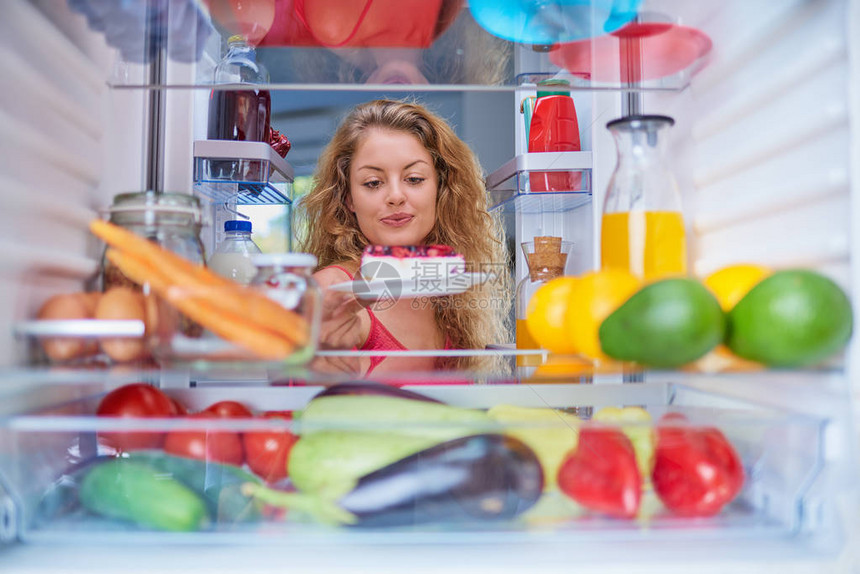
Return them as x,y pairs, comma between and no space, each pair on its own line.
546,258
643,224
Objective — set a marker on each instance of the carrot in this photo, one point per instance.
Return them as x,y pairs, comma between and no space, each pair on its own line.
226,294
226,325
180,270
252,306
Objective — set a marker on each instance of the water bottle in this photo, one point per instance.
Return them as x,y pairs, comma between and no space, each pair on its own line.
233,257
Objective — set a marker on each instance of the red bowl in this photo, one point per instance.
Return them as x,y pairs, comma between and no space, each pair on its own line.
637,52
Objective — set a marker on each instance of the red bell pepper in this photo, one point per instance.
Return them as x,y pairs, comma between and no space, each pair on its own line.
602,474
696,469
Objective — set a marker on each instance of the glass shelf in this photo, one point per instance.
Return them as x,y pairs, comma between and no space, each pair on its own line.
520,183
427,45
79,328
247,173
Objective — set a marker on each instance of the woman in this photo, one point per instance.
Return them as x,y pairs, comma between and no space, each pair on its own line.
396,174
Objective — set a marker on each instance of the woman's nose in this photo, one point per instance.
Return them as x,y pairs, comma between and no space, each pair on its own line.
395,194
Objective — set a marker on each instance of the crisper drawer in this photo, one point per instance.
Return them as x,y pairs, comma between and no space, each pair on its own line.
485,462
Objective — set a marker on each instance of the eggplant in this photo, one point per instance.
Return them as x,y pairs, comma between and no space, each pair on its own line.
334,460
473,478
469,479
372,388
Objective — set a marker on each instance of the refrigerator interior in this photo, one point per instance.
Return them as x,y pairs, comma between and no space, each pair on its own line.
764,148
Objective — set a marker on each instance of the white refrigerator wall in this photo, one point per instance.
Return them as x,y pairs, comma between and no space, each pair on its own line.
761,144
68,145
765,140
768,139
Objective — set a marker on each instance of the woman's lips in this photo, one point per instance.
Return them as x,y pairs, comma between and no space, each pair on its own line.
397,220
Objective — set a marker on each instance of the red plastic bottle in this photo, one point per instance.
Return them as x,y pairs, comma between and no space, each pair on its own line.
554,128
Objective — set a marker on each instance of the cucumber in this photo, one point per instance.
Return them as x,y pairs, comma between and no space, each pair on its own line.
137,492
330,462
345,436
218,484
391,414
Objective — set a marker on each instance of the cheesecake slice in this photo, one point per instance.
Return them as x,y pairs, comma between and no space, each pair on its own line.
411,263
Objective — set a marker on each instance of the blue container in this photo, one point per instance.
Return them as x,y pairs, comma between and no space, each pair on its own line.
551,21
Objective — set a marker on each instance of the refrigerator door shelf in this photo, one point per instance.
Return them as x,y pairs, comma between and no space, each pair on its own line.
516,184
247,173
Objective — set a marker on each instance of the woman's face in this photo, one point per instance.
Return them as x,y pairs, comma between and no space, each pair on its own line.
393,188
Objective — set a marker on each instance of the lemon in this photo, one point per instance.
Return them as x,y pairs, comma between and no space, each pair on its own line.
593,297
792,318
546,312
731,283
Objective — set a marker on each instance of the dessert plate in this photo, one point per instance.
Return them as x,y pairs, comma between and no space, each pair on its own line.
378,289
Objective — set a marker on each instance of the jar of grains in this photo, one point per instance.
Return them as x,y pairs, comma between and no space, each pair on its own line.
172,220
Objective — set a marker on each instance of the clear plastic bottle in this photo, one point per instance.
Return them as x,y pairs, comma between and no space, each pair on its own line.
643,227
233,256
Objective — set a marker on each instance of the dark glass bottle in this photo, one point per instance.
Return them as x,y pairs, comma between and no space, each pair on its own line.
241,114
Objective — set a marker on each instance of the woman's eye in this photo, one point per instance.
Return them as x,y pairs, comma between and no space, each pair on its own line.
372,184
415,180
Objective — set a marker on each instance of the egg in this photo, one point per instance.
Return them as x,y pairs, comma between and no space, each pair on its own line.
91,301
68,306
122,303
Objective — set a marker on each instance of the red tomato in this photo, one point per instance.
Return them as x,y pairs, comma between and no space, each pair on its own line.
180,408
217,446
229,410
267,452
696,469
135,400
602,474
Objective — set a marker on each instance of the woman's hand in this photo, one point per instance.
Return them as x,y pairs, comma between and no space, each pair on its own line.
340,328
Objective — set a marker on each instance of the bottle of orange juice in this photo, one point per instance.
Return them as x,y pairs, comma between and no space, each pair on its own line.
643,224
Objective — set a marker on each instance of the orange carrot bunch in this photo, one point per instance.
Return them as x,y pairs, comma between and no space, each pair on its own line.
232,311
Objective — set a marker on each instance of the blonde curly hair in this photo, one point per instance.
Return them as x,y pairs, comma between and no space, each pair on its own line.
471,320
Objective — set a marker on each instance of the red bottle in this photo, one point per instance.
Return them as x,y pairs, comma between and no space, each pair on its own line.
554,128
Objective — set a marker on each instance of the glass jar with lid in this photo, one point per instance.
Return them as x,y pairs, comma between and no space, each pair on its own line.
287,279
172,220
272,322
546,258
